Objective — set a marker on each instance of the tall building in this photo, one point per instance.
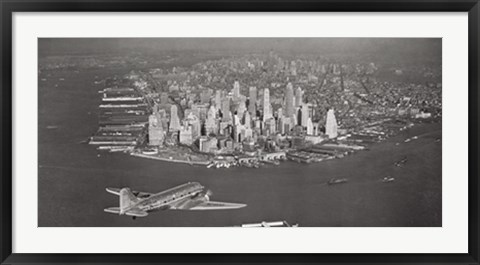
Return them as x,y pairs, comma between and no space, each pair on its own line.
226,109
267,108
331,124
289,110
211,122
218,99
156,134
201,143
281,125
247,120
174,120
298,97
252,106
236,90
293,68
200,110
191,120
241,108
305,115
271,126
309,127
279,113
186,135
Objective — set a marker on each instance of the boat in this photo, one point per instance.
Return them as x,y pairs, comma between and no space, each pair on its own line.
401,162
150,152
388,179
333,181
270,224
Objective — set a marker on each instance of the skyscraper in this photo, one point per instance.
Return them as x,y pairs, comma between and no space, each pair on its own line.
309,127
226,109
305,115
211,123
267,108
331,124
298,97
289,100
236,90
247,120
241,108
293,68
174,120
192,121
218,99
155,130
252,106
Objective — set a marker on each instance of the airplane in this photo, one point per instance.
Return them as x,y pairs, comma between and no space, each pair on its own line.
188,196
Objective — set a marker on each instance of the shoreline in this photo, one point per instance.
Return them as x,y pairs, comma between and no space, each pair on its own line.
416,126
198,163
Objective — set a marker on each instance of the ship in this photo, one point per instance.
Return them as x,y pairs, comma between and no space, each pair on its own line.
334,181
388,179
401,162
270,224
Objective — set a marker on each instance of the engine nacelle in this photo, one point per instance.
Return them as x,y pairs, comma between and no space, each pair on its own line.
203,196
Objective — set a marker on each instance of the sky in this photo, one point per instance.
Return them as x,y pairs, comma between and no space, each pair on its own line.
431,47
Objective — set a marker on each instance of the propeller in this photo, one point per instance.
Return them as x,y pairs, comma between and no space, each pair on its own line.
208,194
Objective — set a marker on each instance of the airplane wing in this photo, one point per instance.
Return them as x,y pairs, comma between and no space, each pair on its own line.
136,213
212,205
114,210
132,212
138,194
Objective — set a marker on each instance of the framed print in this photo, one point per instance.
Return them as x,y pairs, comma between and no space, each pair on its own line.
220,132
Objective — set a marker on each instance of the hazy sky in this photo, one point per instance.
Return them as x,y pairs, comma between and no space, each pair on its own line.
85,46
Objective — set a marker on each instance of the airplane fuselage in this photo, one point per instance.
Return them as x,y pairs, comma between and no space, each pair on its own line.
169,198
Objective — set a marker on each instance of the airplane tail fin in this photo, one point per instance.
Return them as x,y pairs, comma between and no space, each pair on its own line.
127,198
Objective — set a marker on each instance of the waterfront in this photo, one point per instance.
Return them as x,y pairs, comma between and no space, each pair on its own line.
73,178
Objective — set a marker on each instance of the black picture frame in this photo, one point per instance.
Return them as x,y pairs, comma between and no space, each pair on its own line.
8,7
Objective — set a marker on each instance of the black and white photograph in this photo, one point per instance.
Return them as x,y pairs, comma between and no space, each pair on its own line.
239,132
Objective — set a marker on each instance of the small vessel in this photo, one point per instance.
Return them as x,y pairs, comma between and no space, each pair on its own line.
270,224
333,181
150,152
388,179
401,162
